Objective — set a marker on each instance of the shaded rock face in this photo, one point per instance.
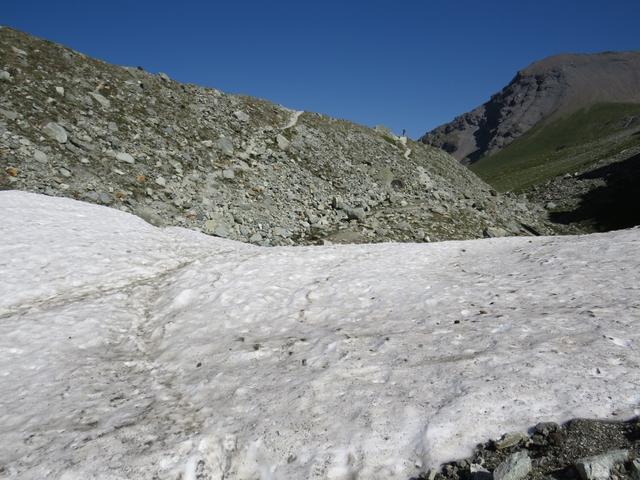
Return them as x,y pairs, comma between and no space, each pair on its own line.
228,165
554,86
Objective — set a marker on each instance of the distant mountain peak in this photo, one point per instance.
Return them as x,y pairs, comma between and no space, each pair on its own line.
555,85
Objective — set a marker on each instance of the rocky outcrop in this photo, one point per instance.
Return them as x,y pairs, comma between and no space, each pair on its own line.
227,165
554,86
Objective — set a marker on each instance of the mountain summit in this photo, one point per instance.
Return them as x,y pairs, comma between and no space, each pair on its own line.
543,91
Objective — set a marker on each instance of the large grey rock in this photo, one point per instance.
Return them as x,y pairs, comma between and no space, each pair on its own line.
100,99
355,213
546,428
8,114
149,215
598,467
281,232
225,145
282,141
478,472
4,76
218,227
635,469
55,131
495,232
125,157
40,156
19,52
243,117
509,440
515,467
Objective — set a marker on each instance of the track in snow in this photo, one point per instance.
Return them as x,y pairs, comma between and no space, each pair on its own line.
129,351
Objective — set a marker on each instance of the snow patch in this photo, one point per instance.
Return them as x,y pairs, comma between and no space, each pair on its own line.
132,351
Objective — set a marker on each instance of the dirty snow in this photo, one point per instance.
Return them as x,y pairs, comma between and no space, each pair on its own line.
128,351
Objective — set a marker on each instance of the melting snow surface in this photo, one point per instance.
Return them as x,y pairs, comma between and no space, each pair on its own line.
128,351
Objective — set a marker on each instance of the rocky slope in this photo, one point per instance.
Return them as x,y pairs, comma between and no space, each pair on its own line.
228,165
543,91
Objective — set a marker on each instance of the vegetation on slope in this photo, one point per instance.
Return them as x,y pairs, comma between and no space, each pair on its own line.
562,146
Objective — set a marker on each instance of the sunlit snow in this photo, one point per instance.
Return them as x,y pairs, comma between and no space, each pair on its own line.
128,351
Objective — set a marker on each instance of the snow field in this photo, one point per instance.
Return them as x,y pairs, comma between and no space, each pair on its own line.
128,351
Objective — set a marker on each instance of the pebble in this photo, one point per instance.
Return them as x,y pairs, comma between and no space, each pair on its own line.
161,181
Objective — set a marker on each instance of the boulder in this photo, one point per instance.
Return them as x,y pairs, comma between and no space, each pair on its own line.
225,145
635,469
243,117
494,232
509,440
125,157
105,103
283,142
598,467
56,132
515,467
40,156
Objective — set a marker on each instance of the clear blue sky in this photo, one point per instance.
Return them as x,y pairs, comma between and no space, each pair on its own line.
404,64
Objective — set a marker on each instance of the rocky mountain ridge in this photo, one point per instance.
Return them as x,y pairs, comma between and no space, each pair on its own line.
228,165
544,90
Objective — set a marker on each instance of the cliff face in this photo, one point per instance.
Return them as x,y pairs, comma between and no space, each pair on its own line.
227,165
548,88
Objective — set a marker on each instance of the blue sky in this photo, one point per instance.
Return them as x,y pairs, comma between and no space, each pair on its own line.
404,64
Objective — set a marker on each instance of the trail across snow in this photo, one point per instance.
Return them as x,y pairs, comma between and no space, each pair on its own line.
128,351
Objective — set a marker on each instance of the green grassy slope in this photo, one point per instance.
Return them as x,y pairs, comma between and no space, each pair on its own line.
560,146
